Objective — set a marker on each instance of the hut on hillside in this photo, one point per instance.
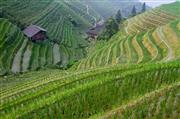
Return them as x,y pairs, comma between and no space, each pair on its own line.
94,31
92,34
35,33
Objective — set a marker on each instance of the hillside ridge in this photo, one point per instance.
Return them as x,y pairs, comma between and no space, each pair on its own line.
134,74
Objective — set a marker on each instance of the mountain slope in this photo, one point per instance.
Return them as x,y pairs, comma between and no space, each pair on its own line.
90,93
65,29
18,54
28,12
132,76
152,18
65,22
160,44
141,39
107,8
10,41
162,103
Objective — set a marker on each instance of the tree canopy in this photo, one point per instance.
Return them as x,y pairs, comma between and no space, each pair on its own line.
111,27
134,11
143,7
118,16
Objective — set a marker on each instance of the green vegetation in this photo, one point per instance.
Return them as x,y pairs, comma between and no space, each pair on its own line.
56,96
143,7
111,28
140,48
11,40
172,8
133,13
162,103
64,27
133,73
118,17
152,19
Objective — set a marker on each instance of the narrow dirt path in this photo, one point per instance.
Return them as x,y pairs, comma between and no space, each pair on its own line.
16,66
26,59
170,55
126,28
95,19
56,53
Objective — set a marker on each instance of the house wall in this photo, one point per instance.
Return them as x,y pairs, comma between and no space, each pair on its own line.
39,36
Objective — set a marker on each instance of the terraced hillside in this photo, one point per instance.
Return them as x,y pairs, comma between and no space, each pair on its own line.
162,103
51,15
107,8
64,23
11,40
157,45
32,11
153,18
130,76
92,92
18,54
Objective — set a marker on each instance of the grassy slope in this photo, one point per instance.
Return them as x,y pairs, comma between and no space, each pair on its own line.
152,18
107,8
151,47
140,48
10,42
91,92
172,8
55,17
101,91
162,103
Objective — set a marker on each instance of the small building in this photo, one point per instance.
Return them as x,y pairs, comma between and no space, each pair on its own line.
94,31
92,34
35,33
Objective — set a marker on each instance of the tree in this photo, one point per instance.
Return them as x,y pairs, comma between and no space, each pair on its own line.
133,11
111,27
118,16
143,7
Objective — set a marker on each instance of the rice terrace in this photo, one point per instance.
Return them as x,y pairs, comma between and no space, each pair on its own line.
89,59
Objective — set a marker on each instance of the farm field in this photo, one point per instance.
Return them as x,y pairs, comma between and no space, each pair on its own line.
134,74
152,18
49,96
156,45
142,40
64,38
23,55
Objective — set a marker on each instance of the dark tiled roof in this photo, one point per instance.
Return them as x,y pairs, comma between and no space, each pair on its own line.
32,30
95,30
92,32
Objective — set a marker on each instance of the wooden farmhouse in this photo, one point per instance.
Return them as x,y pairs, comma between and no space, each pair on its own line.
35,33
92,34
94,31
